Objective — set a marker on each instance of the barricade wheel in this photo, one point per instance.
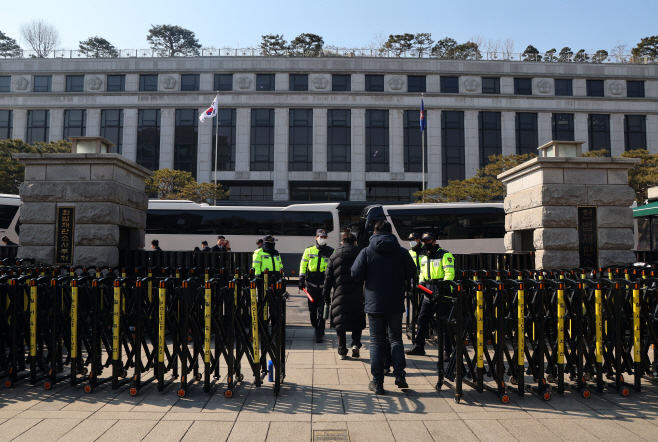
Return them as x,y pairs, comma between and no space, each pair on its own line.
228,394
625,392
181,393
47,385
123,374
512,380
241,378
8,383
437,387
587,377
550,378
198,377
134,391
546,396
456,399
586,394
88,388
504,398
84,371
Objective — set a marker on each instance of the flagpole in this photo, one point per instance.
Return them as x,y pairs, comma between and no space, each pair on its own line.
422,146
216,143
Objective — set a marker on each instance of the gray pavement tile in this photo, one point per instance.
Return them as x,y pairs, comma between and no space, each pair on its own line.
259,400
348,376
285,432
489,430
126,415
294,400
57,414
404,431
427,402
220,404
370,431
454,430
568,430
48,429
249,431
194,416
88,430
166,431
15,427
641,427
126,430
208,431
325,376
607,429
527,430
327,401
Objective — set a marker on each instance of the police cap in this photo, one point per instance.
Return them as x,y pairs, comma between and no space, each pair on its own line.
269,238
413,236
429,235
321,232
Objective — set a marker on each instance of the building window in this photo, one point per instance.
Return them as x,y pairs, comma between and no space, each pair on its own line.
491,141
413,157
75,83
116,83
490,85
341,83
189,82
416,83
595,88
527,133
599,132
563,88
392,192
75,121
377,140
186,136
374,83
148,82
339,140
298,82
148,138
43,83
313,191
5,84
5,124
452,146
563,127
262,139
112,128
250,191
225,138
265,82
635,132
300,140
450,85
522,86
635,89
223,82
38,123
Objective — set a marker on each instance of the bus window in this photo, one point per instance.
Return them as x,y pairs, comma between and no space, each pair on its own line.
643,233
463,225
7,214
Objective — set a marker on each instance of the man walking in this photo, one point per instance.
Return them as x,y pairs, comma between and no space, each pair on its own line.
311,277
385,267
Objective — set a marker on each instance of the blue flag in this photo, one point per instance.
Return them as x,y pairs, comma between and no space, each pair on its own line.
422,116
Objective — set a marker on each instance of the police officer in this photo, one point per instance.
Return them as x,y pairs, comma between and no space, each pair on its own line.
311,276
416,248
436,264
267,258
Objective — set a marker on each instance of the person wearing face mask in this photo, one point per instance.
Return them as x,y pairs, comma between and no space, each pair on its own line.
436,264
267,258
416,250
311,277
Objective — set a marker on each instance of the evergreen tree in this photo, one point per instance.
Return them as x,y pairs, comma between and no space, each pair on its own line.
647,47
97,47
422,44
273,45
169,41
531,53
600,56
444,48
581,56
399,44
565,55
307,45
8,46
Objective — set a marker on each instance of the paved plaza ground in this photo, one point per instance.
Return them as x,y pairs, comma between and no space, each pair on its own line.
322,392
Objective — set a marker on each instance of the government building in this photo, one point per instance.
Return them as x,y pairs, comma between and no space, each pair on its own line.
328,129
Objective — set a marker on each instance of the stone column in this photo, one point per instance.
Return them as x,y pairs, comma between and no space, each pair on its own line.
206,83
93,123
616,134
507,85
205,145
281,83
545,127
167,132
579,86
132,82
434,175
281,118
472,145
319,140
58,83
396,140
580,132
358,83
358,187
433,84
130,134
508,125
56,130
19,124
242,137
652,133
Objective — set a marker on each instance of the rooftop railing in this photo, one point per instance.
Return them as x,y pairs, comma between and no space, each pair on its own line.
341,52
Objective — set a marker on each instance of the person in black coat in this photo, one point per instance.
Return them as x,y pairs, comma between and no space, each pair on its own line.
347,312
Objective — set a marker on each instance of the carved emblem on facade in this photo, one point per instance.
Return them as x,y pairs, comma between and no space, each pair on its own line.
471,84
396,83
320,82
244,82
169,82
94,83
21,83
616,88
544,86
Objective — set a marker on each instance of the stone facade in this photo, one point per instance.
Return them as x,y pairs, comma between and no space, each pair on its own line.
110,203
541,206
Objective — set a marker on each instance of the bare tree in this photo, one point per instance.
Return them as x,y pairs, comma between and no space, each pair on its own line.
508,48
492,47
619,53
478,39
42,37
377,44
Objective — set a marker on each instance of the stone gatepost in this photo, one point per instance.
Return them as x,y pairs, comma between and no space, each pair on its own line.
547,195
107,193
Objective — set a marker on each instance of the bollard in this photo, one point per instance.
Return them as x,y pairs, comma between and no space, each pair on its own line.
637,369
74,331
254,322
599,337
561,308
480,337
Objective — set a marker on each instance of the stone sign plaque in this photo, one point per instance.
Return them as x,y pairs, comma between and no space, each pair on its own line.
64,235
588,244
330,436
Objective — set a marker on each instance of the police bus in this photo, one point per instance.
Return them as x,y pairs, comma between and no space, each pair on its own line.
459,227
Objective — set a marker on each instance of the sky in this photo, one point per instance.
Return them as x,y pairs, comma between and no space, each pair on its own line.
579,24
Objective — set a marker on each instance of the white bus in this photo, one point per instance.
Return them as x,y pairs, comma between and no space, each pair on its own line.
459,227
9,213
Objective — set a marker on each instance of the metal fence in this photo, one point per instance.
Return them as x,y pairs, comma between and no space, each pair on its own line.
339,52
